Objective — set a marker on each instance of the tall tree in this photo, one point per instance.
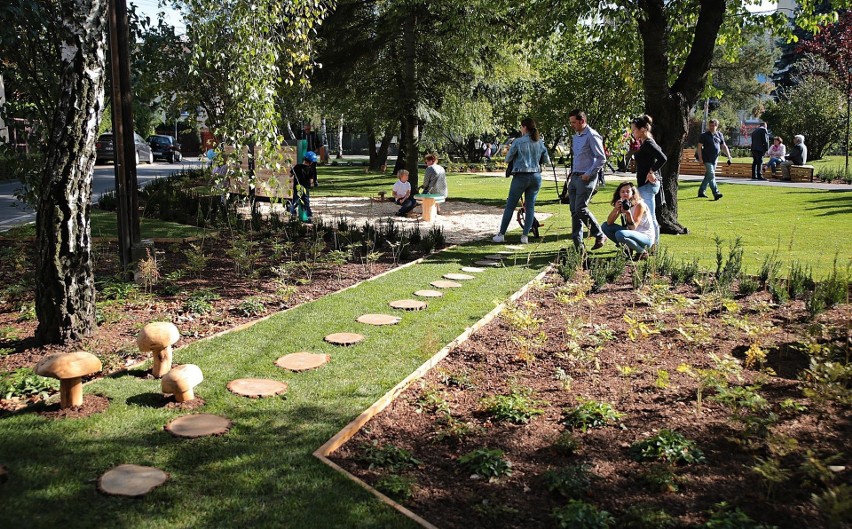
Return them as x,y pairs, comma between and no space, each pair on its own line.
833,44
678,39
65,286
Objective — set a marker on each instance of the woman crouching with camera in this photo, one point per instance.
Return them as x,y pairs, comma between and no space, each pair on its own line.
638,232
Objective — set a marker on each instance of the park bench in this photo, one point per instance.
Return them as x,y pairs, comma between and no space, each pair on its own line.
429,203
689,165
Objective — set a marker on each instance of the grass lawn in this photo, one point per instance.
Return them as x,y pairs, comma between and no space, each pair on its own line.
800,224
261,473
104,224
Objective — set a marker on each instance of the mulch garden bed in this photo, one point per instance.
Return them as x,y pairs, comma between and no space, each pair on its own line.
644,352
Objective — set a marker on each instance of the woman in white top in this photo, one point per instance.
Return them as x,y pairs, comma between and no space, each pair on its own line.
777,152
638,232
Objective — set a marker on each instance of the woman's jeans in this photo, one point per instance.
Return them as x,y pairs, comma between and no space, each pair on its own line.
526,184
638,242
648,192
774,164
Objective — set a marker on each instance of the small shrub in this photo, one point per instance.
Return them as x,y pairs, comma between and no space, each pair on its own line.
685,272
148,271
569,482
581,515
603,271
646,517
517,407
667,446
566,443
660,478
590,414
748,285
486,463
23,382
725,516
196,261
769,269
119,290
251,307
570,262
199,301
834,504
389,457
459,380
800,282
399,488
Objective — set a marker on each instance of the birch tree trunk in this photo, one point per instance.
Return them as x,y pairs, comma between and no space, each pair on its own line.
340,138
65,286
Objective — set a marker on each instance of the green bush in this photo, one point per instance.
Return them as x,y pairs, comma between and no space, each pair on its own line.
646,517
199,301
486,463
590,414
725,516
23,382
581,515
668,446
569,482
251,307
516,407
389,457
399,488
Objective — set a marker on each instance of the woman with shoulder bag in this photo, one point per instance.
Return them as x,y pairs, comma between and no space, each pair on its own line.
649,159
525,158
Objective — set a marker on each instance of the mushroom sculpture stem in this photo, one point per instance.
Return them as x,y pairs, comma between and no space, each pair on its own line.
158,338
162,362
70,392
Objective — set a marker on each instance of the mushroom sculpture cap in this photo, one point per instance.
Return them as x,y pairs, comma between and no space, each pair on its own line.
181,379
157,336
68,365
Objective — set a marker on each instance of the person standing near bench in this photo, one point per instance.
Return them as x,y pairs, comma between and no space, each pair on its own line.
526,156
435,179
709,146
588,158
759,146
798,156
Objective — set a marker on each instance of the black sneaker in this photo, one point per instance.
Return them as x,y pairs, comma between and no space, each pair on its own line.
760,178
702,195
718,196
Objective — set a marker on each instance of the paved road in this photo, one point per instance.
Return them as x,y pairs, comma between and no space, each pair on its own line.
14,213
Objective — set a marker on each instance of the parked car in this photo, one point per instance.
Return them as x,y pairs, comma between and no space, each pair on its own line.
105,150
165,147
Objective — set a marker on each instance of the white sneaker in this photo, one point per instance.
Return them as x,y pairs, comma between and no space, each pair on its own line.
524,239
498,238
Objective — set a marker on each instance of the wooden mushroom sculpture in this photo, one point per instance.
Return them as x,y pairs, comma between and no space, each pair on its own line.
69,368
158,338
181,380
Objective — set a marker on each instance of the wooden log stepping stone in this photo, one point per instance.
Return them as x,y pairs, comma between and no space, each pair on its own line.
344,338
198,425
379,319
429,293
443,283
302,361
257,387
488,263
457,277
495,257
408,304
472,269
131,480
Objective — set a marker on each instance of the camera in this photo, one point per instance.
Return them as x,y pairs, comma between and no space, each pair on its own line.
626,204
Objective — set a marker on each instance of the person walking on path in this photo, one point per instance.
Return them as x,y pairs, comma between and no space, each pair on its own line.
798,156
402,194
759,146
588,159
435,179
777,152
709,146
526,156
649,159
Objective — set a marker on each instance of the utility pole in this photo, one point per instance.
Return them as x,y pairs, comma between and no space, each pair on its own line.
129,238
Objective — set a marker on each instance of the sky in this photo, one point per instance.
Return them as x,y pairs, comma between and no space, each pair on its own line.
150,8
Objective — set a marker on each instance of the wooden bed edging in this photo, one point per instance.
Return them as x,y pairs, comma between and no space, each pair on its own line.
348,431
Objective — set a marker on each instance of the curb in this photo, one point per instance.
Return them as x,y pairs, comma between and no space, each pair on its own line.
348,431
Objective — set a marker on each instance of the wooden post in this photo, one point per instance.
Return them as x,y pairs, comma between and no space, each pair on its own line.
122,133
